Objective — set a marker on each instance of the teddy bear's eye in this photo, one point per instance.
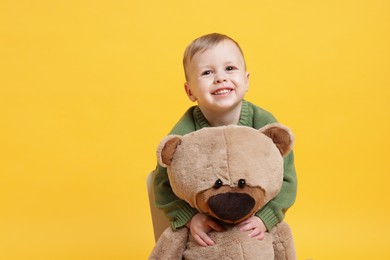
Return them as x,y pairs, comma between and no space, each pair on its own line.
241,183
218,183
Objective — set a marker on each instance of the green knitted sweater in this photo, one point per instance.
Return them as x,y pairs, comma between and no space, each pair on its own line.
179,212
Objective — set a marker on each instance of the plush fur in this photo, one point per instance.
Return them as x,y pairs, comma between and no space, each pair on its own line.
229,173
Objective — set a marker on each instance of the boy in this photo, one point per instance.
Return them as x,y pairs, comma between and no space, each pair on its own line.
217,79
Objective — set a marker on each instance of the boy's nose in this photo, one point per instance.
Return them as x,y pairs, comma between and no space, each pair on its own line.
219,78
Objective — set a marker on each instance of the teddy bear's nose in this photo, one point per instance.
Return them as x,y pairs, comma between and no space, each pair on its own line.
231,206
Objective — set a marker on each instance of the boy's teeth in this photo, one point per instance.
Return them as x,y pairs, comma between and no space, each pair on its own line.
222,91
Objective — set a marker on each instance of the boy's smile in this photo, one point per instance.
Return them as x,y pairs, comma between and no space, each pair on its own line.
222,91
217,78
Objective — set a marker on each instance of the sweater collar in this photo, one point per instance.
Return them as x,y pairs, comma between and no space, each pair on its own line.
201,122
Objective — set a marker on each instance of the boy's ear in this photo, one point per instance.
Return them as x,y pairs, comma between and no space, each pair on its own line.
167,149
281,135
189,92
247,80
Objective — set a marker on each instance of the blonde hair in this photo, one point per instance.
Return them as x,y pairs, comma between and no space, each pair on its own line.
203,43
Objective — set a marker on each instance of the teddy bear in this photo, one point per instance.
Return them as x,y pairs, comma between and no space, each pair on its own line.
228,173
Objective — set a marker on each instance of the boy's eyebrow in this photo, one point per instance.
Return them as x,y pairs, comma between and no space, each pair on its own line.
204,66
231,62
224,63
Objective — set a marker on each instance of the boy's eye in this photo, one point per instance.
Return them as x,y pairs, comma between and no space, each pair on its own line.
207,72
228,68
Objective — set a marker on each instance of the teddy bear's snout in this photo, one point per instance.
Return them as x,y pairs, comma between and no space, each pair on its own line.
231,206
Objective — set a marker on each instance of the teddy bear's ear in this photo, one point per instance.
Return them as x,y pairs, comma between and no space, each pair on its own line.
281,135
167,149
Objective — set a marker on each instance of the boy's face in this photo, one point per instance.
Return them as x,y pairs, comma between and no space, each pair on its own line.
217,77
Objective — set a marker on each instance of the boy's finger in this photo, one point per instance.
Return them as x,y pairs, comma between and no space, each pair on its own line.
199,240
246,227
206,240
261,236
215,226
255,233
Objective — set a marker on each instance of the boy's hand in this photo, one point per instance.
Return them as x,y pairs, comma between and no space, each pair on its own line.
201,224
256,225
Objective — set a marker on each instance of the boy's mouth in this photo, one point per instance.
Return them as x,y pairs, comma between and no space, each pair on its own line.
222,91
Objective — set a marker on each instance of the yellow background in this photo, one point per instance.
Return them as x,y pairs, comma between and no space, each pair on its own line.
88,88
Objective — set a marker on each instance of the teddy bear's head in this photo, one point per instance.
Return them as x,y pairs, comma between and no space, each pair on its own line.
227,172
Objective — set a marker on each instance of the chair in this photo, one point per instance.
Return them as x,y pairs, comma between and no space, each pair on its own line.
160,222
